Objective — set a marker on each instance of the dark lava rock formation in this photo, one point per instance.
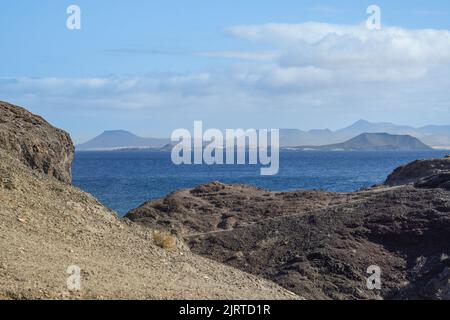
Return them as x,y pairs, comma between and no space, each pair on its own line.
416,171
320,244
218,207
35,142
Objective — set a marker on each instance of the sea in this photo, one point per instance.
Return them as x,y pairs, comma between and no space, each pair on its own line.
123,180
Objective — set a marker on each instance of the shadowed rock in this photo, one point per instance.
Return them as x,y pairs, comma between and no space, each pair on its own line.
418,170
437,181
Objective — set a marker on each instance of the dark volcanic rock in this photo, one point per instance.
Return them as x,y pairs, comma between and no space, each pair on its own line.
325,254
217,207
35,142
320,244
437,181
418,170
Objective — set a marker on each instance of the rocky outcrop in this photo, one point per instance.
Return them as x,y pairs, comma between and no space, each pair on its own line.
418,170
35,142
48,227
320,244
217,207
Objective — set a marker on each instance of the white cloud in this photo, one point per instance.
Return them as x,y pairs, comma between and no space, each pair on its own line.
354,53
272,75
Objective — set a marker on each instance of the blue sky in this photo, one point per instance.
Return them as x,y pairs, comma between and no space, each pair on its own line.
153,66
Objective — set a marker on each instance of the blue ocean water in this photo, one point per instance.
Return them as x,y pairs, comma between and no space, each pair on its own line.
124,180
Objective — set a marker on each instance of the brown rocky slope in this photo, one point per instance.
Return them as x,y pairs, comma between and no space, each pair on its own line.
46,225
320,244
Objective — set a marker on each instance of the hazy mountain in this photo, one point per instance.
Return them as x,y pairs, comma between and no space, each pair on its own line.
432,135
431,129
118,139
436,136
376,141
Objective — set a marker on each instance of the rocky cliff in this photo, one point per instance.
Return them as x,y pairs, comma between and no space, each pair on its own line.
33,141
320,244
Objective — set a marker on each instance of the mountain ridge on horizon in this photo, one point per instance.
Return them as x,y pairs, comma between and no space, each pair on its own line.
374,142
116,139
432,135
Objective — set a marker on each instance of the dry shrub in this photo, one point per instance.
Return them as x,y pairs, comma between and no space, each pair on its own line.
164,240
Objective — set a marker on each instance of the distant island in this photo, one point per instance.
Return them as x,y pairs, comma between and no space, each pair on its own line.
121,139
374,142
437,137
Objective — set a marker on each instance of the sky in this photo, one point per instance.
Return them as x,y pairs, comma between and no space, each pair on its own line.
151,67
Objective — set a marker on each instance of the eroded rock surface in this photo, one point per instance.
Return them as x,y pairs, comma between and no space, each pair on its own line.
36,143
320,244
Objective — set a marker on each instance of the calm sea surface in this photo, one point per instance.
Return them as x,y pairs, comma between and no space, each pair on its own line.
124,180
